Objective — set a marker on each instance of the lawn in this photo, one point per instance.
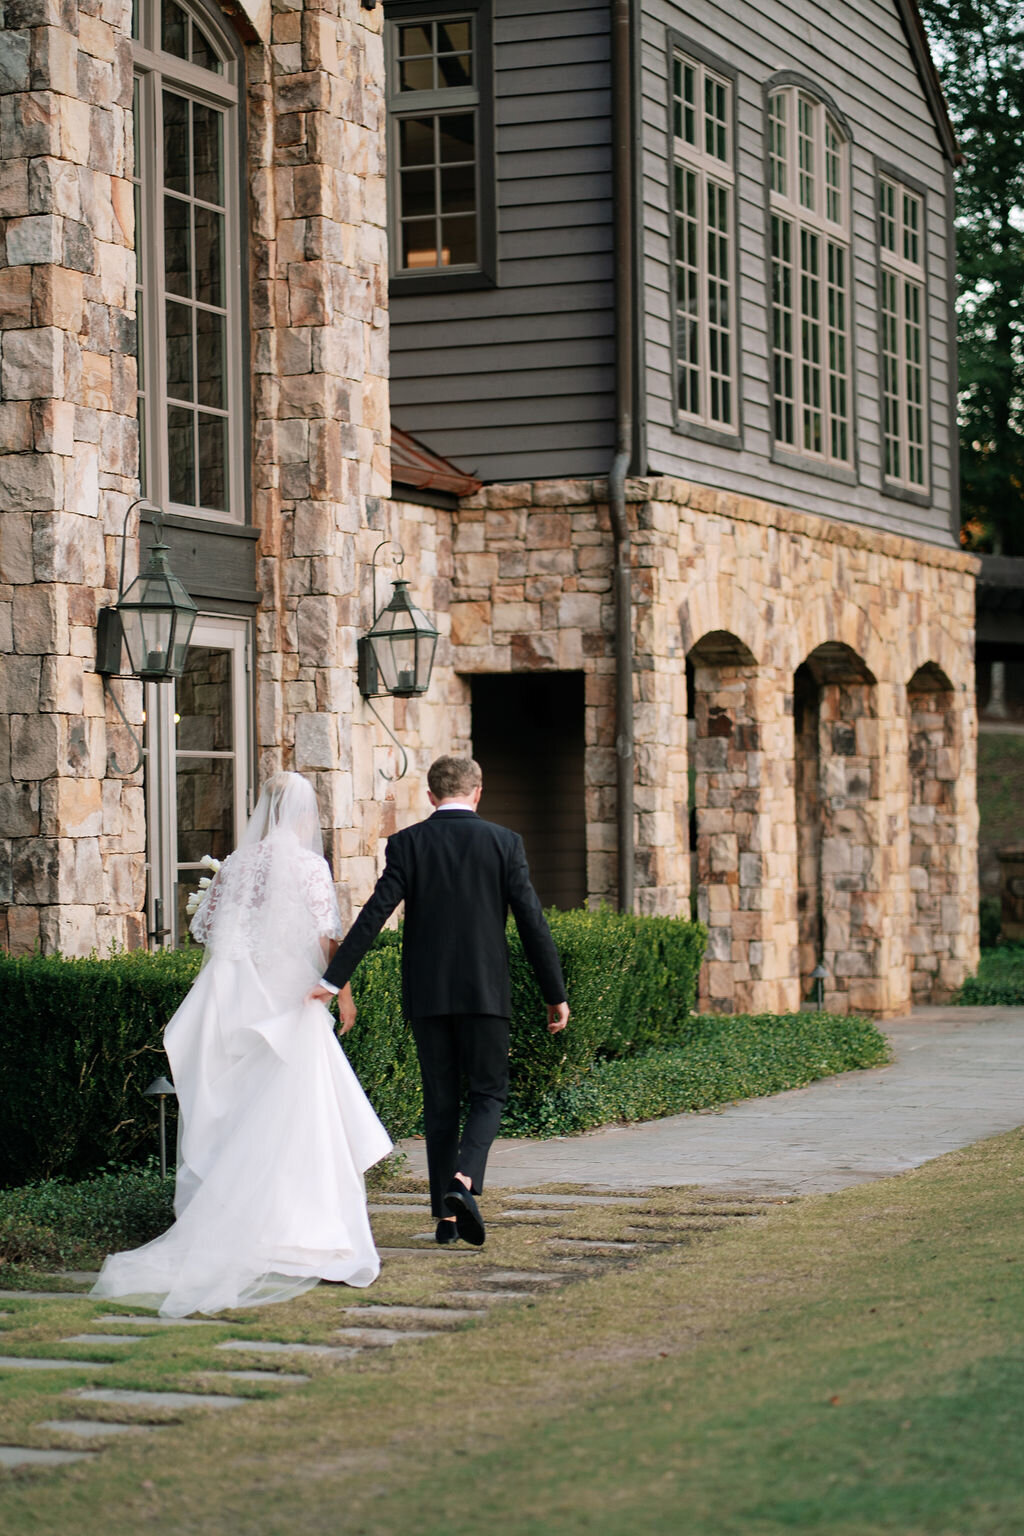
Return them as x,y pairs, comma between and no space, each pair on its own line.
850,1364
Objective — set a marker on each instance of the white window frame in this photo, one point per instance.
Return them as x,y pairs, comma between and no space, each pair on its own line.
153,70
810,213
713,176
162,756
903,340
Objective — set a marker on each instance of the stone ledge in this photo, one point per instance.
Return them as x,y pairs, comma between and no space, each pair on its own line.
724,504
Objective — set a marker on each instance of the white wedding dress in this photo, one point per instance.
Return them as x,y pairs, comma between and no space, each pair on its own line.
275,1131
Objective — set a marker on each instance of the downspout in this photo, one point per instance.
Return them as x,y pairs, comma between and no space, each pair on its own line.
622,195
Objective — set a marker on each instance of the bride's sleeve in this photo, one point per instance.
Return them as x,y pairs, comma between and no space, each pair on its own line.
322,901
205,913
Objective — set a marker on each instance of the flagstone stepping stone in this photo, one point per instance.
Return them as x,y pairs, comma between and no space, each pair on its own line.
506,1294
24,1363
274,1347
521,1277
43,1295
399,1253
384,1336
79,1276
570,1200
104,1338
595,1244
440,1315
163,1322
93,1429
270,1378
419,1209
25,1456
398,1196
528,1215
159,1399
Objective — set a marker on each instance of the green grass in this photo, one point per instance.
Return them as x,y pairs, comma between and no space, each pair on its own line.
849,1364
999,980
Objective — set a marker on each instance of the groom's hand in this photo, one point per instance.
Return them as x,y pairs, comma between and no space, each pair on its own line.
558,1016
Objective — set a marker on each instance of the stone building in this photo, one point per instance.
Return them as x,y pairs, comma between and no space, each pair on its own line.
661,309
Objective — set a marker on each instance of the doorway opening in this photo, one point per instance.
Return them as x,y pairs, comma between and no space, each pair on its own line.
528,737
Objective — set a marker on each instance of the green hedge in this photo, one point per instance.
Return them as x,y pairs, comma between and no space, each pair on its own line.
724,1058
56,1225
80,1039
1000,979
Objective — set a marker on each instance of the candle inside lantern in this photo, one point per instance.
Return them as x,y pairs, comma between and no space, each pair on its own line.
156,661
406,679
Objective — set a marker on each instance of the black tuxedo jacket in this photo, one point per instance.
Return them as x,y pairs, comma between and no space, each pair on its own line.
459,876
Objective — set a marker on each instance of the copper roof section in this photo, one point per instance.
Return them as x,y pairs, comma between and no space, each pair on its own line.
412,464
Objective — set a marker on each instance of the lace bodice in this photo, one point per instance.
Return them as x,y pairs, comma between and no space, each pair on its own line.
274,901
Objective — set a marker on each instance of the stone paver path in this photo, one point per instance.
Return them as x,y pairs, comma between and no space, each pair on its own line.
957,1076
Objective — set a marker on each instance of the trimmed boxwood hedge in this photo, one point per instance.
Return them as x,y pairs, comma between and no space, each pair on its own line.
80,1039
1000,979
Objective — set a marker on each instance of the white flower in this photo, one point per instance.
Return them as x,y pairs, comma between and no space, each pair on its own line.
197,897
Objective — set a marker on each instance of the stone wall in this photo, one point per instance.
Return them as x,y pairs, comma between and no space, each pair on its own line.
804,850
73,836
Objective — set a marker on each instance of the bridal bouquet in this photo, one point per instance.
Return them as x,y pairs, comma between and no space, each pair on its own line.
197,897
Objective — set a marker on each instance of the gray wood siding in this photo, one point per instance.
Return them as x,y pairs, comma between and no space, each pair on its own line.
859,55
517,382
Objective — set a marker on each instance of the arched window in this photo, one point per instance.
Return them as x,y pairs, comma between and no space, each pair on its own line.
809,199
188,249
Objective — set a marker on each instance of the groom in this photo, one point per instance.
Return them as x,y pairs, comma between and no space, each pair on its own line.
458,876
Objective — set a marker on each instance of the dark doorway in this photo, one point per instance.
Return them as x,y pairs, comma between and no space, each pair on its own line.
528,739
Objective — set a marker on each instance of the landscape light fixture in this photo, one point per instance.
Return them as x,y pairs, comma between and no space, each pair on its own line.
161,1089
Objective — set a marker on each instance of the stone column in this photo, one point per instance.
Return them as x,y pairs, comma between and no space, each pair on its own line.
746,835
319,297
73,832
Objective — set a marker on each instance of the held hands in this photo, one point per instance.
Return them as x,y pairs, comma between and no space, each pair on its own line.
558,1017
346,1004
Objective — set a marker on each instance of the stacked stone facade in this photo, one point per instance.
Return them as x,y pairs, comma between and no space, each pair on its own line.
834,719
808,792
72,835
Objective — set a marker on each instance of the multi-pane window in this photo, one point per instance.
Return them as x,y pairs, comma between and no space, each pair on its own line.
188,253
434,105
810,265
704,284
901,244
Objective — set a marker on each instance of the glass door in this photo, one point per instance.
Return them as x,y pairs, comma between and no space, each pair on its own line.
198,770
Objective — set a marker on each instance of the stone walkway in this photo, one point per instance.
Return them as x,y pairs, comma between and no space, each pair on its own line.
957,1076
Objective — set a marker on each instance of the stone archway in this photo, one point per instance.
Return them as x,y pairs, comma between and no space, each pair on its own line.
744,832
839,800
934,773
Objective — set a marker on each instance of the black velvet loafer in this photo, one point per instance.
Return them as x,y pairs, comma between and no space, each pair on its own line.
468,1222
447,1231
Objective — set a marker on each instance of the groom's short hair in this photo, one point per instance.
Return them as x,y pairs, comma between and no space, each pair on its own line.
450,776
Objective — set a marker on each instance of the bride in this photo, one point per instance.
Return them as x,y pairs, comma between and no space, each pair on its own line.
275,1132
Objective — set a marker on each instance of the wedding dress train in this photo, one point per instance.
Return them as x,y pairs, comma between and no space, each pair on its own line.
276,1132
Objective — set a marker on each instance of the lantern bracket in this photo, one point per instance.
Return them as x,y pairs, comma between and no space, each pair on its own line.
392,778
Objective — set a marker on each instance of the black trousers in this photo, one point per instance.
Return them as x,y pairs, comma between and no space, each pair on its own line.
453,1046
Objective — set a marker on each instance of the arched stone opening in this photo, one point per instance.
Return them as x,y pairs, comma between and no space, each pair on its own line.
737,712
837,783
934,764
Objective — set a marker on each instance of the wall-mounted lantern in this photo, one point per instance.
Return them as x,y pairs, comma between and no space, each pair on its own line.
396,657
154,618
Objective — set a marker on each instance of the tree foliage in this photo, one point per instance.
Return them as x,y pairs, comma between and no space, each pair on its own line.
979,51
